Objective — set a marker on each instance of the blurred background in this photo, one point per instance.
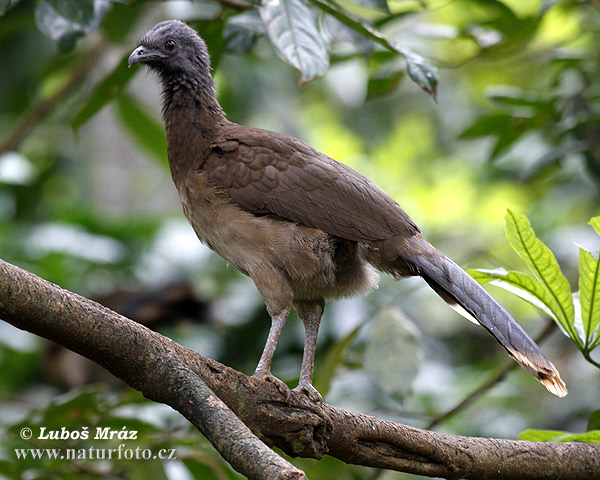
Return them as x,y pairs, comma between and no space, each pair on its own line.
86,201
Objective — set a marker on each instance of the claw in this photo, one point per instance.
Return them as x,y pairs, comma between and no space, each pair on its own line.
280,384
310,391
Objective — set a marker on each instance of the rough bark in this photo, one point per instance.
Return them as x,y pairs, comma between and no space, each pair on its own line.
214,398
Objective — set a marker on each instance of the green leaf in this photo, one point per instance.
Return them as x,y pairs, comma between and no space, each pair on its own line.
112,85
75,408
379,85
375,4
544,266
148,133
525,287
292,29
515,100
205,467
512,97
355,23
333,359
485,125
340,32
422,73
594,421
577,322
589,294
593,436
518,125
507,129
66,20
542,435
417,67
242,31
595,222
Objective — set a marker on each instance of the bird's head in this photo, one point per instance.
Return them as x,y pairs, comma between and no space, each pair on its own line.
172,47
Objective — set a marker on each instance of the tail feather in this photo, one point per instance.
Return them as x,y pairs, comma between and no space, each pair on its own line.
471,300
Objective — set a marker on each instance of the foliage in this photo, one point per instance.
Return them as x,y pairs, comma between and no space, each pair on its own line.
558,436
576,314
549,291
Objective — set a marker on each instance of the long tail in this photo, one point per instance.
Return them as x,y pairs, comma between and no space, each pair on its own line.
471,300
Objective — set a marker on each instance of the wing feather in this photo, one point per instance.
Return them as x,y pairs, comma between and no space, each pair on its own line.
269,173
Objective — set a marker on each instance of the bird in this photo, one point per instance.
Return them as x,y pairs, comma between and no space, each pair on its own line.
303,226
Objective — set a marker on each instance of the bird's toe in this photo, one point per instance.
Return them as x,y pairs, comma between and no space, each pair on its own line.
310,391
280,384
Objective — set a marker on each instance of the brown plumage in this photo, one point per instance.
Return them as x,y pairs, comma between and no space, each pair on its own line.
303,226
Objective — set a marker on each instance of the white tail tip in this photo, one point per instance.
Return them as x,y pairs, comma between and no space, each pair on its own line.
553,383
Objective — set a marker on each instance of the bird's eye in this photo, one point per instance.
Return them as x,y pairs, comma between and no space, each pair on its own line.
170,45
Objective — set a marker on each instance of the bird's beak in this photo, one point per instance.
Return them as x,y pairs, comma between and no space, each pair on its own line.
142,55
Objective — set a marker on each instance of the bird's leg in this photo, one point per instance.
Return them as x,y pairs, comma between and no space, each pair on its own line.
277,293
263,369
310,313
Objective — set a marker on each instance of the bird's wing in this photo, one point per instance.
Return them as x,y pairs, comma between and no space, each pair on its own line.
270,173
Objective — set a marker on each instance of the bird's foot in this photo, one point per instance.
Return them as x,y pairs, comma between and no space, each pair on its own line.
280,384
310,391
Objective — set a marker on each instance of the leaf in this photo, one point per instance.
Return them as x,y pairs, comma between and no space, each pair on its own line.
375,4
595,222
423,74
340,32
594,421
242,31
543,435
292,29
148,133
593,436
64,21
379,85
507,128
525,287
485,125
589,294
418,69
75,408
112,85
512,97
205,467
577,322
545,268
393,354
357,24
79,11
333,359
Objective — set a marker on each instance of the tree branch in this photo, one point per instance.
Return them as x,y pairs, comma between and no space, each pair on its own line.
141,358
166,372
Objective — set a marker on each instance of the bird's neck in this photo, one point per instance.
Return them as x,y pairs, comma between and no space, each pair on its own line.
195,90
192,117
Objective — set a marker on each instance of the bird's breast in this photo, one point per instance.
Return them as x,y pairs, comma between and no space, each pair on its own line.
312,260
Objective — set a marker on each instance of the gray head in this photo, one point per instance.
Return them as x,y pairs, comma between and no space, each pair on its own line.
181,59
172,48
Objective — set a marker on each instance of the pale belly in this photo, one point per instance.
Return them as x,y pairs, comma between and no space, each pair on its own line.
317,265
